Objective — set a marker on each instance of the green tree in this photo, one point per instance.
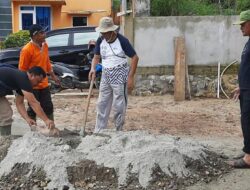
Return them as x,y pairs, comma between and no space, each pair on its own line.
198,7
116,5
194,7
164,8
243,5
182,7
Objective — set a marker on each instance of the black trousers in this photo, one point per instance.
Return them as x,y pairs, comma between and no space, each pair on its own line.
245,118
44,97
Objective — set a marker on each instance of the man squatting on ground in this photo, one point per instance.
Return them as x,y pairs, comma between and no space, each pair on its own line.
117,77
21,82
36,53
243,91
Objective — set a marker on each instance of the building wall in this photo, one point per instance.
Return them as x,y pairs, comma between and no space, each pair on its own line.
208,39
5,18
86,5
60,14
55,12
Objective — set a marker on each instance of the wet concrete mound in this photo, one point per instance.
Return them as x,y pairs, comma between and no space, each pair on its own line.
111,160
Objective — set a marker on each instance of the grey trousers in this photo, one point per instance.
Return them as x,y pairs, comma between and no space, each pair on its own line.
5,116
111,96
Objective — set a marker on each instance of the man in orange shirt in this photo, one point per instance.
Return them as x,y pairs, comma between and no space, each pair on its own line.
35,53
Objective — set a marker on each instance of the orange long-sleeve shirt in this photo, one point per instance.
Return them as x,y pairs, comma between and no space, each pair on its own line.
32,55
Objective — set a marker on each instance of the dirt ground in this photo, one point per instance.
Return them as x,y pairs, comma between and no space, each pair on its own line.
158,115
213,122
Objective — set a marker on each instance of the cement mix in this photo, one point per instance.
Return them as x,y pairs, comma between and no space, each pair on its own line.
143,151
134,152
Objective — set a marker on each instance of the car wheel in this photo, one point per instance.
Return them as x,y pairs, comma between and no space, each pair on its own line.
54,88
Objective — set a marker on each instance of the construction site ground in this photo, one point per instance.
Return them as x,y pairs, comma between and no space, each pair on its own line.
214,123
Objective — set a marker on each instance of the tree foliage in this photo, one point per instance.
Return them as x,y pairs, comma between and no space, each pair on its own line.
198,7
17,39
116,5
243,4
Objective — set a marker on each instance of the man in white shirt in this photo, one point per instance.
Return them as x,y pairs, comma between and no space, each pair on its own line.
117,76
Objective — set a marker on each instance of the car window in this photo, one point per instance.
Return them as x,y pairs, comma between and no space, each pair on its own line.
58,40
83,38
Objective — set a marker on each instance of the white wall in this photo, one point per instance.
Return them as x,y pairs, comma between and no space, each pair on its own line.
209,39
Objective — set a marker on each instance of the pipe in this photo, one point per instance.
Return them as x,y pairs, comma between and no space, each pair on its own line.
218,81
221,78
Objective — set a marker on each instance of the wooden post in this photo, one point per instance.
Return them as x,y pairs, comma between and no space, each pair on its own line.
179,69
188,87
122,21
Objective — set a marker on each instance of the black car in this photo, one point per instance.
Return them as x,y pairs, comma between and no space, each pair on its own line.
67,45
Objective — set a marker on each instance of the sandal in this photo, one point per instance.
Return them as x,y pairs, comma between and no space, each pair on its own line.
241,155
240,163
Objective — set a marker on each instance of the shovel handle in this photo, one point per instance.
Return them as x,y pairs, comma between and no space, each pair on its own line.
87,106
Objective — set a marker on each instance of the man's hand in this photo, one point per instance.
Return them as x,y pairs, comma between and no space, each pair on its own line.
56,79
36,107
130,84
92,74
236,92
54,132
133,66
47,132
31,122
50,124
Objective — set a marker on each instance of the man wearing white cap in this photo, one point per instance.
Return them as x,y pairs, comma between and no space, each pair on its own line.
117,76
243,92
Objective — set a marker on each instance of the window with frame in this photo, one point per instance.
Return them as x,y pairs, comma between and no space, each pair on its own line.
80,21
35,15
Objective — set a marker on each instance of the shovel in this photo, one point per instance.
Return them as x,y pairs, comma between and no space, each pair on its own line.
82,132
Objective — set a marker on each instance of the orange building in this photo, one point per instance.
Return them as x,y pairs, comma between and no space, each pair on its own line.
55,14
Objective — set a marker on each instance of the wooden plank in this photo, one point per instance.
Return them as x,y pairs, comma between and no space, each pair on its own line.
179,69
188,87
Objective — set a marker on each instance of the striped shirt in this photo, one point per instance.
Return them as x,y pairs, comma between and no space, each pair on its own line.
114,60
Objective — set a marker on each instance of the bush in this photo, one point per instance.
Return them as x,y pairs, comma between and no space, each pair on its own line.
1,45
17,39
